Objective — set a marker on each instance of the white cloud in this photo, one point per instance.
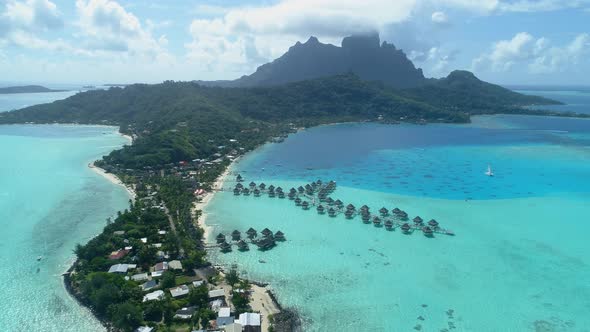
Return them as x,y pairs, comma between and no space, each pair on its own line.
535,54
106,26
440,18
528,6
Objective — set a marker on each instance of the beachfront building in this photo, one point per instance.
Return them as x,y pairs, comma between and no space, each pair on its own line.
216,294
179,291
250,322
224,317
153,296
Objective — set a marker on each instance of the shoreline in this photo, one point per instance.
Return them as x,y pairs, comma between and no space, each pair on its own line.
112,178
206,199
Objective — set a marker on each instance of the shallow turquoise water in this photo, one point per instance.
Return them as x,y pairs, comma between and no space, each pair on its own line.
9,102
49,201
518,263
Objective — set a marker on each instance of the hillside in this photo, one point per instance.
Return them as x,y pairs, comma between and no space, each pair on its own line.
176,121
26,89
361,55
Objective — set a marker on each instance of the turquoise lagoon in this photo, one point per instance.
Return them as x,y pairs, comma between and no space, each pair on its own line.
49,201
519,260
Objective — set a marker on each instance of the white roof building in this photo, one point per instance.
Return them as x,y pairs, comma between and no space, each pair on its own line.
249,319
139,277
198,283
216,293
179,291
144,329
156,295
224,312
121,268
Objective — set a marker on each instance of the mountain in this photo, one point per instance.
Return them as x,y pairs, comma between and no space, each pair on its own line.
26,89
461,90
362,55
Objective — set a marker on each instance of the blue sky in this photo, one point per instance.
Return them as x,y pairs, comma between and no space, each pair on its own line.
125,41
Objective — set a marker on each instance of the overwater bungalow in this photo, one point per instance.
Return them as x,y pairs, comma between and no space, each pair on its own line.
239,178
388,224
236,191
279,236
396,211
364,208
349,214
376,221
293,190
418,220
406,228
298,201
279,189
271,188
220,238
329,201
402,215
256,192
433,223
318,182
266,232
236,235
366,218
314,186
320,209
225,247
252,185
262,186
246,192
350,207
251,233
265,244
301,190
308,187
383,211
281,194
243,246
305,205
271,193
322,197
427,231
338,203
332,212
291,195
239,186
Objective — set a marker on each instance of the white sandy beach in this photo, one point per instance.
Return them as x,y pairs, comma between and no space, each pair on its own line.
113,179
206,198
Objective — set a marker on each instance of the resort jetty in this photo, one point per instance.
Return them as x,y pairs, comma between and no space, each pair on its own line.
318,194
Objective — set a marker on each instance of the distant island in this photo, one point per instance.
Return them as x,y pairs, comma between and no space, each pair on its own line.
27,89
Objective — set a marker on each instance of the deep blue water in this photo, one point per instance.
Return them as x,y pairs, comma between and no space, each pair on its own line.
440,161
577,100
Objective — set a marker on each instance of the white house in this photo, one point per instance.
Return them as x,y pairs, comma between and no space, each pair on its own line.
121,268
179,291
249,319
155,295
139,277
216,293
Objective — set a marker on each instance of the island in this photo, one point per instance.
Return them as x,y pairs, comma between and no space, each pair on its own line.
27,89
148,269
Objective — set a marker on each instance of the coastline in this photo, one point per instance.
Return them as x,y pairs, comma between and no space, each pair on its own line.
206,199
113,179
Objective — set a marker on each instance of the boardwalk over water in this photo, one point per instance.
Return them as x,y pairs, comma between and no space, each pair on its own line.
316,195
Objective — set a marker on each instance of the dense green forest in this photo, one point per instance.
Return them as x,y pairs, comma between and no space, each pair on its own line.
176,121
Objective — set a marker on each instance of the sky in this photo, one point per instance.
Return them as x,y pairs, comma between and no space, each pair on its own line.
538,42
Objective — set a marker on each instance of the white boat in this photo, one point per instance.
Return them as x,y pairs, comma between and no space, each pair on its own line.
489,172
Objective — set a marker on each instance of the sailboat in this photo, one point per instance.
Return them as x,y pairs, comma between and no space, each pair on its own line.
489,172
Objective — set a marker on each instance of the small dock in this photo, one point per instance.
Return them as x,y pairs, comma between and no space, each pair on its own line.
316,196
